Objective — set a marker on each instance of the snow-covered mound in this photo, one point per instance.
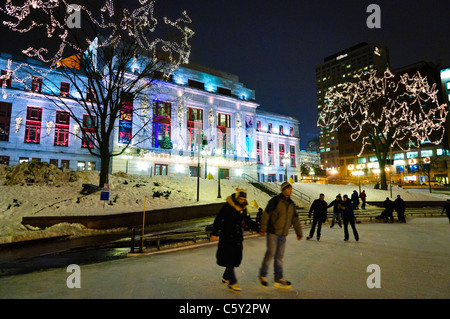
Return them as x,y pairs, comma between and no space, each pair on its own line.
40,189
376,195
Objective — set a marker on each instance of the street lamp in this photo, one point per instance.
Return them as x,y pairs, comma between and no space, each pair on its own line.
359,174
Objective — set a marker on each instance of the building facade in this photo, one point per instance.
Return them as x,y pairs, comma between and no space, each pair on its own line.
201,122
31,126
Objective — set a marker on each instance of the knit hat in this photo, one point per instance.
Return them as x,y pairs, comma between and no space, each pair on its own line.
241,193
285,185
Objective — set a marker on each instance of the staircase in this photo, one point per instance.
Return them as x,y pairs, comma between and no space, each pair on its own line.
272,189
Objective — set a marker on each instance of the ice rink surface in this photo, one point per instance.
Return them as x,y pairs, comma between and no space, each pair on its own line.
413,260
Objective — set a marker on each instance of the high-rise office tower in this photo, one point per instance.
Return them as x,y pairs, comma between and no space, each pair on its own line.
336,70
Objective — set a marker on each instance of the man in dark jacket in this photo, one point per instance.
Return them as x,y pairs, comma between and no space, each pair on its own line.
278,217
348,216
399,205
336,210
389,209
446,209
228,226
319,211
355,199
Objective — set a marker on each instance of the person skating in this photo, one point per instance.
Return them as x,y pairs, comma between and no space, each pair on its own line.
277,218
355,200
363,197
319,211
389,209
228,226
399,206
349,217
446,209
336,211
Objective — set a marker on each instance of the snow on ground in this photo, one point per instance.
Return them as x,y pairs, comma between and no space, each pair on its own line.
331,190
42,190
39,189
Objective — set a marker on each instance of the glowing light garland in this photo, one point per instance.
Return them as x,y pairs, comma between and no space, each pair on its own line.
138,24
400,113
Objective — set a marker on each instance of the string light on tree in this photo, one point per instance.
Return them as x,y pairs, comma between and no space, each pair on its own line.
386,111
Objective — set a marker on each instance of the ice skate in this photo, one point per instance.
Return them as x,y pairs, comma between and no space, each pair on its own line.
282,283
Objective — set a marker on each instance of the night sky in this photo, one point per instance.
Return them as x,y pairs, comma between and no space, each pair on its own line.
275,46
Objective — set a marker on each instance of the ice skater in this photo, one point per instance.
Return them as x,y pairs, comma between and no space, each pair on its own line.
399,206
276,220
319,211
228,226
349,217
336,210
446,209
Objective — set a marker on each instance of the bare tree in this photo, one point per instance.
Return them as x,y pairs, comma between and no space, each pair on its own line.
111,56
385,112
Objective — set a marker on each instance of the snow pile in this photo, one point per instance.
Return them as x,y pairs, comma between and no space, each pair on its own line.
39,189
375,195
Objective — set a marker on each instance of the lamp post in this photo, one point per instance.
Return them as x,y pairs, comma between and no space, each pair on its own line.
359,174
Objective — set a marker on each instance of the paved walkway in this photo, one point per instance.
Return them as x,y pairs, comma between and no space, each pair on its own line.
413,259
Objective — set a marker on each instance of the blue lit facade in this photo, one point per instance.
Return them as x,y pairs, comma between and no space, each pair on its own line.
194,101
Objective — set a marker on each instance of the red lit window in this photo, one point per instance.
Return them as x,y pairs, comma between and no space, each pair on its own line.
62,128
291,132
161,169
258,125
161,122
281,130
194,125
5,78
33,125
282,151
259,152
270,153
88,131
270,128
65,89
223,130
292,149
5,120
36,84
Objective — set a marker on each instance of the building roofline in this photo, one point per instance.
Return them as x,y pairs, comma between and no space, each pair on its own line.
266,113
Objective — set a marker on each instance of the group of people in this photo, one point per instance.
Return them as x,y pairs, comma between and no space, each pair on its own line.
275,221
342,206
389,206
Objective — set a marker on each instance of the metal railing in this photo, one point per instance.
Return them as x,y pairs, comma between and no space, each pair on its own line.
275,188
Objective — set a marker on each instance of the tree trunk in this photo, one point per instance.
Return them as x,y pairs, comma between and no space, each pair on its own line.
104,169
383,179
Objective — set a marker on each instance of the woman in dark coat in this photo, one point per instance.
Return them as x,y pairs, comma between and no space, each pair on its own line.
228,225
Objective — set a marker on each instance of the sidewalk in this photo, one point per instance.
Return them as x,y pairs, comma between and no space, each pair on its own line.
413,258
